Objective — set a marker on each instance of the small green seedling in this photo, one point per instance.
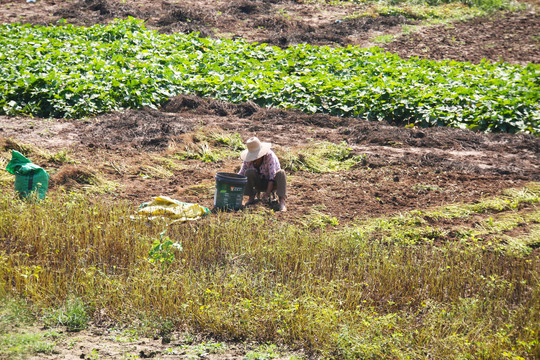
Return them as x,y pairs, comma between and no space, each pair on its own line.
162,251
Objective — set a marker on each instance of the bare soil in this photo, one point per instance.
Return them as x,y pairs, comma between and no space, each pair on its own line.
102,343
404,168
511,37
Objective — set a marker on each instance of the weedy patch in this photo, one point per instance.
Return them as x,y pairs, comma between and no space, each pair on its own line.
231,141
161,167
201,151
320,157
168,163
19,345
423,188
73,315
429,9
500,215
159,172
318,220
125,336
13,313
76,177
206,189
522,244
5,176
10,144
17,340
59,157
209,145
383,39
263,352
204,349
450,11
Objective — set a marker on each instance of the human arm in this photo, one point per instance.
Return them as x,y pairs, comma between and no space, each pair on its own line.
243,168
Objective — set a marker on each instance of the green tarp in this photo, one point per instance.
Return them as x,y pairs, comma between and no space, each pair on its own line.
29,177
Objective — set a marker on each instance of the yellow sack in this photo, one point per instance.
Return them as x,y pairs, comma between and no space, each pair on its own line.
165,207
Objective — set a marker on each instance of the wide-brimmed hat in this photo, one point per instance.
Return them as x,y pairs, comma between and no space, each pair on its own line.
255,149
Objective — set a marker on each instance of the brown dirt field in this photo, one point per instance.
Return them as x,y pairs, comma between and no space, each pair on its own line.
513,38
401,163
405,168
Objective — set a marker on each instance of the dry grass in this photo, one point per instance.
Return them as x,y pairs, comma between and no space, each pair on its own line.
381,289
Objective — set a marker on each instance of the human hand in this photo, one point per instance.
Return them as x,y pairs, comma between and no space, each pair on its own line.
265,197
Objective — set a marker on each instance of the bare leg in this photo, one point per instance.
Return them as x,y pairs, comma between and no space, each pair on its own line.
282,206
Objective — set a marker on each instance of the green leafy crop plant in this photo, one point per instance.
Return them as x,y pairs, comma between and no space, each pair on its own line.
74,72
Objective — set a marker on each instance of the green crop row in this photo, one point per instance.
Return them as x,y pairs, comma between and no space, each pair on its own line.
68,71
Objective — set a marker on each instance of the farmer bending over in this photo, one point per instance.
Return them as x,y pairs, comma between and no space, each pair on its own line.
263,171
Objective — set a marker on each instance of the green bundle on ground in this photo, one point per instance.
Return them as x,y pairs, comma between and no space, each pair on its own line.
30,179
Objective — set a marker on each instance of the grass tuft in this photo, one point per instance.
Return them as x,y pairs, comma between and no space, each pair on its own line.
72,315
320,157
211,146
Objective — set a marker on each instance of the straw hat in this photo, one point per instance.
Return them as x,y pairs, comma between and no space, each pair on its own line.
255,149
